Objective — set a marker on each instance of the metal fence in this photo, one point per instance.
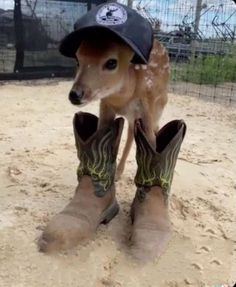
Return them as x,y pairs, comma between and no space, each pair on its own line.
199,35
30,31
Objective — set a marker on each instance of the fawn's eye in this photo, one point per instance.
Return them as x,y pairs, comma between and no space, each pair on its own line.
111,64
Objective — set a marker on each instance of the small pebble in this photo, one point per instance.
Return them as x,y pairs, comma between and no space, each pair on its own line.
187,281
205,248
21,208
197,266
215,261
210,231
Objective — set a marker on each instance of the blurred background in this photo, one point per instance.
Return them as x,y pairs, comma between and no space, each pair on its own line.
199,35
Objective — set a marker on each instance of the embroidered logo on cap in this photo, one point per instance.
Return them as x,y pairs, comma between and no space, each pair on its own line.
111,14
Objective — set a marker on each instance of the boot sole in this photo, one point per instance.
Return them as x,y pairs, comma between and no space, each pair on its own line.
110,213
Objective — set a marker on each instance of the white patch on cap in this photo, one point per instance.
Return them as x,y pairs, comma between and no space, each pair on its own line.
111,14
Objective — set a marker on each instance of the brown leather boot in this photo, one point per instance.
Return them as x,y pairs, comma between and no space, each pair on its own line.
149,211
94,201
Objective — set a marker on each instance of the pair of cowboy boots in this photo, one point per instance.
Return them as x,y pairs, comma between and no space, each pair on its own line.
95,201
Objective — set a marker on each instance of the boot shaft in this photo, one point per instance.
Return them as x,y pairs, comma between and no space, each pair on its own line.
97,150
156,166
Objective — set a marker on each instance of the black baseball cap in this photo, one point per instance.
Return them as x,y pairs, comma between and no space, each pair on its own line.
118,20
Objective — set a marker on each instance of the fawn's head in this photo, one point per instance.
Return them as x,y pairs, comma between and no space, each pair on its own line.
103,62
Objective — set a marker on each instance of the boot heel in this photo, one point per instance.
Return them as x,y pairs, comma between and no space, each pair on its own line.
110,213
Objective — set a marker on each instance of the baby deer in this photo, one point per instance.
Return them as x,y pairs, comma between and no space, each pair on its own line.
105,72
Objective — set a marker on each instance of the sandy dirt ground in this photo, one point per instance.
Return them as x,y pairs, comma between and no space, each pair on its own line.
38,175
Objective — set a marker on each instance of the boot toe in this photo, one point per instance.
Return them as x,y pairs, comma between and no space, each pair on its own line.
63,232
147,245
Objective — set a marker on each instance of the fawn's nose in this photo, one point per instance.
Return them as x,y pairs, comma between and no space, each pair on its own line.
76,97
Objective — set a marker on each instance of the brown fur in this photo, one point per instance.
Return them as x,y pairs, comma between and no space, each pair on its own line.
134,91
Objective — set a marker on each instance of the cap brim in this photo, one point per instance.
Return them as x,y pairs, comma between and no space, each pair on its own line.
71,43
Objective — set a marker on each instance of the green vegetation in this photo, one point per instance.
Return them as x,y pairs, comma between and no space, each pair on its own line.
206,70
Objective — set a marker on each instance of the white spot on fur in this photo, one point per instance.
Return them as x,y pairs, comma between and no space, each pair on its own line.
166,66
154,51
137,67
149,83
161,52
144,67
153,64
150,73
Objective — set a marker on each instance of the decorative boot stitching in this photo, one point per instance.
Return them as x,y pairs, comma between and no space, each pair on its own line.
98,162
155,169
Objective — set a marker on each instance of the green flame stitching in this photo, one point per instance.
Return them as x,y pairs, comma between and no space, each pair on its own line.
98,161
155,169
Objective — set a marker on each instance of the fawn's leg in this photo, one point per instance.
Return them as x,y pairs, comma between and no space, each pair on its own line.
106,115
129,141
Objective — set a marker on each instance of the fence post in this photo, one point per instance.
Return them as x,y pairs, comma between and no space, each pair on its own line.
130,3
89,5
19,36
196,27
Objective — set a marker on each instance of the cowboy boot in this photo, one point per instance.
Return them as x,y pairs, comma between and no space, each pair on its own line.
94,201
149,210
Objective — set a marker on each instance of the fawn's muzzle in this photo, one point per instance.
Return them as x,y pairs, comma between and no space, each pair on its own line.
76,97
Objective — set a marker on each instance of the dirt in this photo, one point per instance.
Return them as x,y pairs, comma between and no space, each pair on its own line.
38,176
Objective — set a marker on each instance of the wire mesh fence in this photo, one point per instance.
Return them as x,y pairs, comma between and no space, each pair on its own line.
30,31
199,35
